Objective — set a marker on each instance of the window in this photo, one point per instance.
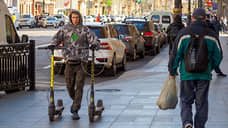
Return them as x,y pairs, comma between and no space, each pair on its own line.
155,18
11,35
166,19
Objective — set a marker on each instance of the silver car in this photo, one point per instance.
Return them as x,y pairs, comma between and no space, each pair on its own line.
27,20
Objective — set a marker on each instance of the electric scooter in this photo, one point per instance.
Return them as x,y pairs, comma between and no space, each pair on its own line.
53,109
92,109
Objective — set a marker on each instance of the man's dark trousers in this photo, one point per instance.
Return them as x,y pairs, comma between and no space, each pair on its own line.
194,91
75,79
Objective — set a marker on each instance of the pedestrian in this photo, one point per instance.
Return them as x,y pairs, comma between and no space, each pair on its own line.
194,87
13,18
214,25
75,38
225,24
173,30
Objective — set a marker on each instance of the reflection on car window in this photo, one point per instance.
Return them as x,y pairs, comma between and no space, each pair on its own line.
165,19
139,25
99,32
155,18
121,30
11,35
96,31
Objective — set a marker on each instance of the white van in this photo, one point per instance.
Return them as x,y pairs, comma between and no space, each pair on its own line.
163,18
8,33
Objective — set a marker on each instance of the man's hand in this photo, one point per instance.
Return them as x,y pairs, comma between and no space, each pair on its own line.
93,47
172,77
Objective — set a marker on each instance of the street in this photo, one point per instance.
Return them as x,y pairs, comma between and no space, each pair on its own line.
129,98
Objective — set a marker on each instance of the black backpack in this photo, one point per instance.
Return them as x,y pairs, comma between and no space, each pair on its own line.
196,57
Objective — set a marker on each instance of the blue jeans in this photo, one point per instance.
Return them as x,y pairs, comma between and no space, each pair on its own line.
194,91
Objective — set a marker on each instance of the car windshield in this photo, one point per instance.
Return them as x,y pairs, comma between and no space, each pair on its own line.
121,29
166,19
26,16
50,18
139,25
155,18
58,17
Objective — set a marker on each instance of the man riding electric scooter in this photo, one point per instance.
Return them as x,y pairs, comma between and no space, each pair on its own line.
76,39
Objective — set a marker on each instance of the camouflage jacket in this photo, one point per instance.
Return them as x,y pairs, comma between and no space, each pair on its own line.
76,39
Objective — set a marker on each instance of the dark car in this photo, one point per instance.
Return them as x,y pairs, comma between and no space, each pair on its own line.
131,37
150,35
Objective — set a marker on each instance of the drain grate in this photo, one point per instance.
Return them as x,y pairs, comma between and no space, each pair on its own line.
108,90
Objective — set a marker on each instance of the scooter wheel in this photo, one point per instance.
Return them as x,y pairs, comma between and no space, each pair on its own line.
91,115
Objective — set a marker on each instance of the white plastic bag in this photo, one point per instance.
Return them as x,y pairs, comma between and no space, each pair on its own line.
168,97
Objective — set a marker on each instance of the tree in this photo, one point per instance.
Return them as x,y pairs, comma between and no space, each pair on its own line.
108,3
139,1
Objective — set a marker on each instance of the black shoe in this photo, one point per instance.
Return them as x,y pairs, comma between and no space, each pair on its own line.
75,116
188,125
221,74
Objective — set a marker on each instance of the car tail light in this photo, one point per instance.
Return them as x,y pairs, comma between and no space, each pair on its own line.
148,34
148,44
105,46
102,59
61,44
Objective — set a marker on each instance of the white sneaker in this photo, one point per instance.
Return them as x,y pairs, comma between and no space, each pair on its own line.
188,125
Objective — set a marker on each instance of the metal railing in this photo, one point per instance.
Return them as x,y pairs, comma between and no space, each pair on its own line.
17,66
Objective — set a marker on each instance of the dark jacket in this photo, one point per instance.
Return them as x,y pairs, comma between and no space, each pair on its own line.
180,47
173,30
75,39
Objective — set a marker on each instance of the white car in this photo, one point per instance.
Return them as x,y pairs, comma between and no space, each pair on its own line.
27,20
112,52
111,55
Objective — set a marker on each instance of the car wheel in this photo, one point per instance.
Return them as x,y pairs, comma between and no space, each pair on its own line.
142,54
158,49
124,62
134,56
114,68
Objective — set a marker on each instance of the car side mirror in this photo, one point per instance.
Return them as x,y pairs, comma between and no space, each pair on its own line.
24,38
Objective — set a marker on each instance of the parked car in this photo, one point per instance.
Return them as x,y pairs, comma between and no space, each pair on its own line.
27,20
61,19
132,39
162,36
112,51
50,21
162,17
89,19
150,35
111,54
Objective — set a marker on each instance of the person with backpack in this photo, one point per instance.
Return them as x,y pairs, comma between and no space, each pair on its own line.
197,50
173,30
214,25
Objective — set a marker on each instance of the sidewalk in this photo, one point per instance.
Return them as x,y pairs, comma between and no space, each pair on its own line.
133,106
